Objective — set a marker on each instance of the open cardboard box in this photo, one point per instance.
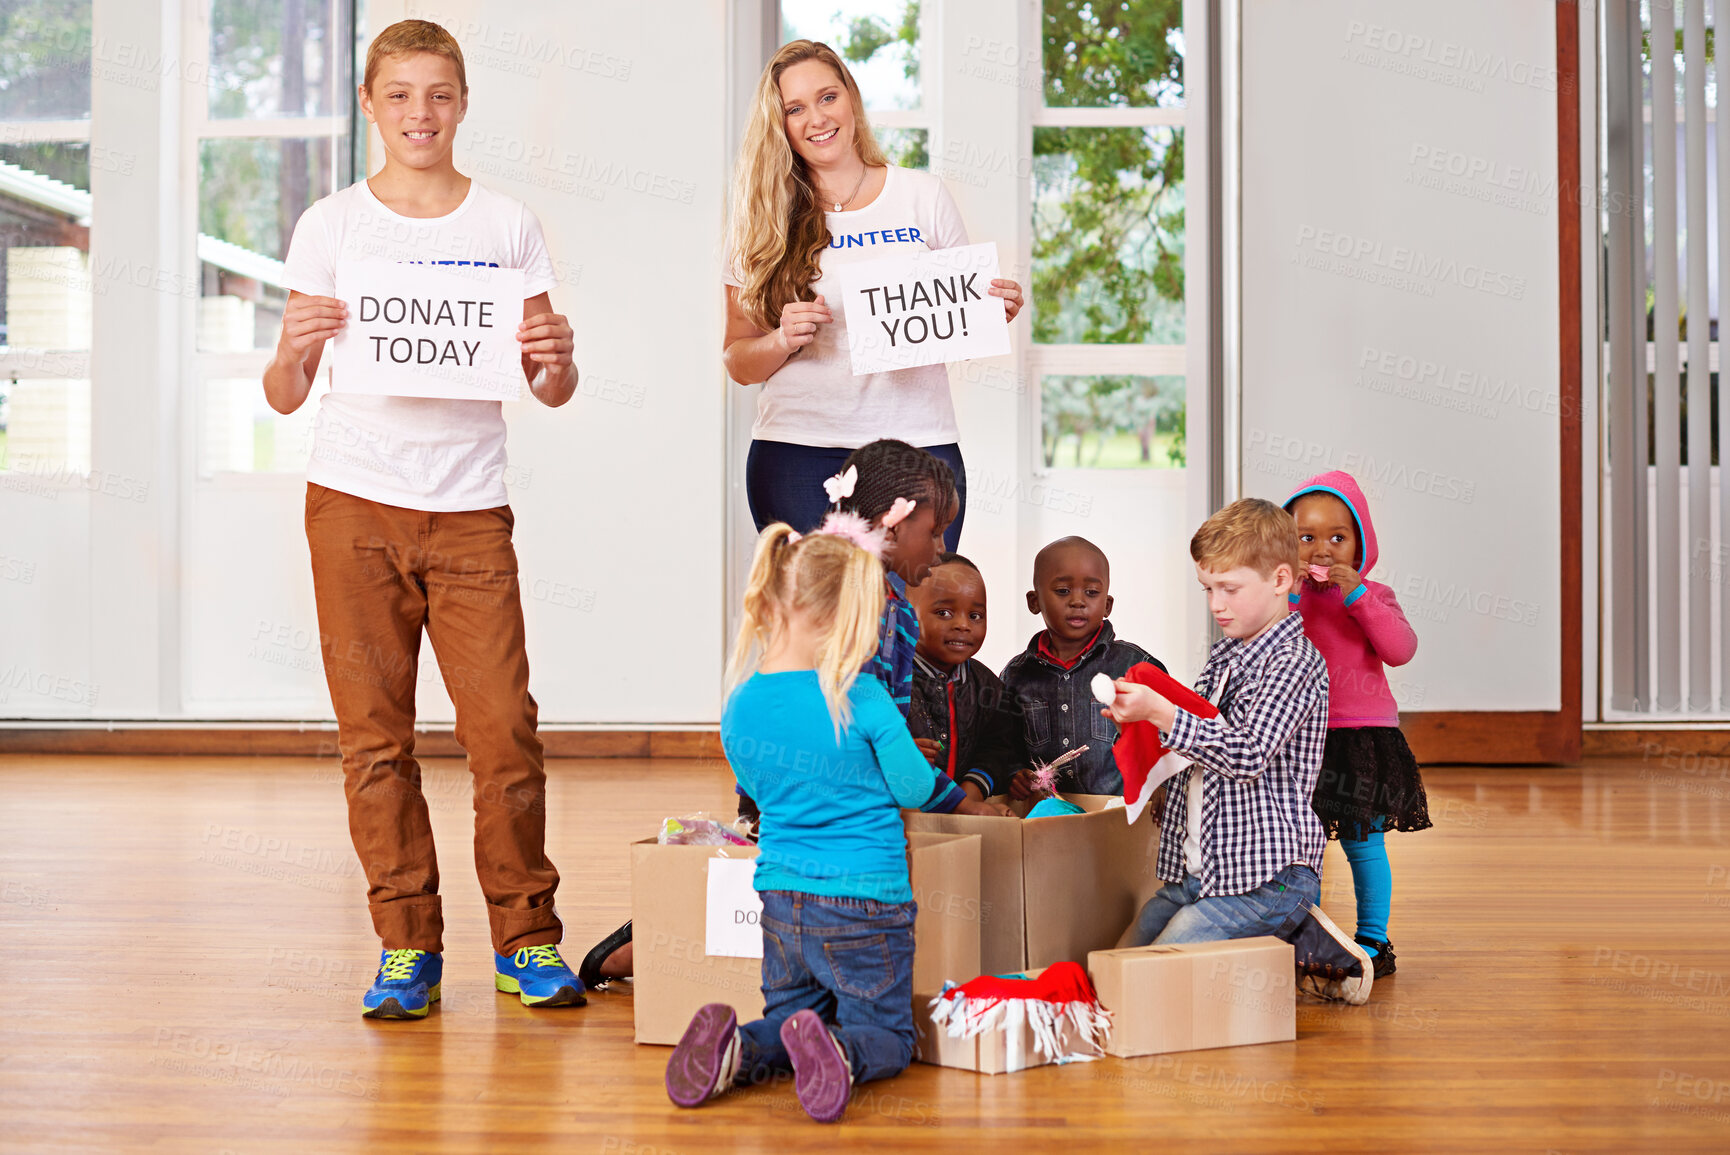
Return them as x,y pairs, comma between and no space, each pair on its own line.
675,976
998,1051
1055,888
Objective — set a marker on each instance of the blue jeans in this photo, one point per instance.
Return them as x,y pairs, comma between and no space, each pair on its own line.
784,482
848,959
1178,913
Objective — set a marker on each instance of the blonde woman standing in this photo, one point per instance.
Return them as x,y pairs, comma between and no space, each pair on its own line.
812,192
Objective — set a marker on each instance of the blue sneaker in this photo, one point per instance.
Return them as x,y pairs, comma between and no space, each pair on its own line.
539,976
406,987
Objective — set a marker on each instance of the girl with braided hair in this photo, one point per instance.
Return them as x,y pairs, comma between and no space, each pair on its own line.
911,497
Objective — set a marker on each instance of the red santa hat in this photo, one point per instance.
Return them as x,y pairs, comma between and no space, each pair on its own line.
1141,758
1060,994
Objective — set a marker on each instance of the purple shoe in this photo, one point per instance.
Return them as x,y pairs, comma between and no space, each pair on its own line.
822,1076
707,1057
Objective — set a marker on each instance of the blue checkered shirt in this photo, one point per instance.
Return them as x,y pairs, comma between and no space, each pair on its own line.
897,638
1264,752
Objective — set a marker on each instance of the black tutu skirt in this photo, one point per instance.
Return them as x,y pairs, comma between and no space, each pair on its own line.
1368,773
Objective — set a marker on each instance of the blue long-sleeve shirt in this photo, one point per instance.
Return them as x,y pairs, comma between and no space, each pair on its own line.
831,807
892,665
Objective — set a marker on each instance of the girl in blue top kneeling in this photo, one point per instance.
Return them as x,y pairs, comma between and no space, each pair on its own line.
829,759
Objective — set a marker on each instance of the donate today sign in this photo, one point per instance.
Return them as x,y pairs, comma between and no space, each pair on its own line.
923,309
444,331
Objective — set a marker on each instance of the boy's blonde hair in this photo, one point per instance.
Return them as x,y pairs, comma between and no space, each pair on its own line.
822,575
406,37
1250,532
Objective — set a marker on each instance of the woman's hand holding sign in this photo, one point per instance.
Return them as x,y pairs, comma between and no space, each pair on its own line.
1011,294
799,321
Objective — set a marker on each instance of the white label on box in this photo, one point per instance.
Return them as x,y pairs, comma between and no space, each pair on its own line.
731,925
445,331
923,309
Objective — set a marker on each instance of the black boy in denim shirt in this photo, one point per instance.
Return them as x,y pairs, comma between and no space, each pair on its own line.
1051,678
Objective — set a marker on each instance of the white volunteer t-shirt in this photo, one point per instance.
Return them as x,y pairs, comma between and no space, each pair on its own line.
414,452
814,399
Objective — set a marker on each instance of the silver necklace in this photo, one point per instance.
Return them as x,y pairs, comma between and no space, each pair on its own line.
840,206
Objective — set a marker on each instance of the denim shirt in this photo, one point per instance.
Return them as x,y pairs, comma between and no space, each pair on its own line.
1060,713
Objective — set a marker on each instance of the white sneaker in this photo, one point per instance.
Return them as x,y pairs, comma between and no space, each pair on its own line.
1330,964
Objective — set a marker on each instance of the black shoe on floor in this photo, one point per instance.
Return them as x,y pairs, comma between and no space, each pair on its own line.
1384,957
1329,963
590,971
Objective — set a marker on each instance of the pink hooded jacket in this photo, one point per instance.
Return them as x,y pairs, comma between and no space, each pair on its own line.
1360,634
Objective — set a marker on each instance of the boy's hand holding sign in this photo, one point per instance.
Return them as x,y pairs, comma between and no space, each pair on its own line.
447,331
924,309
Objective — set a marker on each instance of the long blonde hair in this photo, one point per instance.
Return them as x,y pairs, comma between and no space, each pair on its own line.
778,229
821,575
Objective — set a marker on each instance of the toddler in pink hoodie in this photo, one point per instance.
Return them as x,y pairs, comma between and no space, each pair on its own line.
1369,780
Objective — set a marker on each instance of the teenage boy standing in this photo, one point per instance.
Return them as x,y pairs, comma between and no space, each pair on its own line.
409,526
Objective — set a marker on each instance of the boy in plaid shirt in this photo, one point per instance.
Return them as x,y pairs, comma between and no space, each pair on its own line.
1240,849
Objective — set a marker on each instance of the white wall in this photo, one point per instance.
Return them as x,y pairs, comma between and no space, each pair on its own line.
1354,248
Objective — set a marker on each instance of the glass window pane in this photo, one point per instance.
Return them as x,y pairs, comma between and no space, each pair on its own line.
44,59
879,40
45,278
907,147
44,429
1108,235
1113,53
271,58
243,434
1112,422
250,194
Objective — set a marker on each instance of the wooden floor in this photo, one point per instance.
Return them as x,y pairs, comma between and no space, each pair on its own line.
183,943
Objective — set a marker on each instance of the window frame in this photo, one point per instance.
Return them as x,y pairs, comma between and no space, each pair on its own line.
198,126
52,364
1145,359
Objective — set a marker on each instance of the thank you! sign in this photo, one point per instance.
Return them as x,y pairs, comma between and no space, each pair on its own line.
446,331
923,309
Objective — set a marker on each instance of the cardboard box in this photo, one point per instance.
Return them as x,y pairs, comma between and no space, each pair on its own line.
1055,888
993,1052
945,870
1196,996
674,975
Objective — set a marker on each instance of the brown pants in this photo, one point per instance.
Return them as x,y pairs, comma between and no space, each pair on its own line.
380,574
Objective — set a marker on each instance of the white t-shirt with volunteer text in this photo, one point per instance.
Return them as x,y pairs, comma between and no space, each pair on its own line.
814,399
413,452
